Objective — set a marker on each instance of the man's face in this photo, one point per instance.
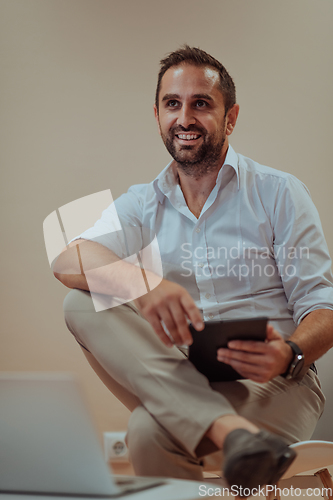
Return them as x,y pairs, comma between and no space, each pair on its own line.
191,118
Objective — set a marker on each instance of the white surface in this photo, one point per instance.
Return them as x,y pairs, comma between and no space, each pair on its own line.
310,455
176,489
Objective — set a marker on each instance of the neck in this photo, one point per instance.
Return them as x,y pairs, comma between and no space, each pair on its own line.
196,189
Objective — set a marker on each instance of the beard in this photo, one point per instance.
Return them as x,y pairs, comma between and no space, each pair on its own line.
196,161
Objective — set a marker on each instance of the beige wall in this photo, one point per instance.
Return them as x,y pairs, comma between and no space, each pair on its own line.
78,80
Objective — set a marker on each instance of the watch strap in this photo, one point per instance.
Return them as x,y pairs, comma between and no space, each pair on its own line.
295,348
297,352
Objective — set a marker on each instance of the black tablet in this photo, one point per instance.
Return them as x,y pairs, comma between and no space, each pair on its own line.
216,334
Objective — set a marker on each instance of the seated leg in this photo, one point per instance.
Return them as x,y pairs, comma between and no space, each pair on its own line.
138,368
154,452
126,347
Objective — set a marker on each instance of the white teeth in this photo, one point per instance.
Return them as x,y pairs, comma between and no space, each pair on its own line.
187,137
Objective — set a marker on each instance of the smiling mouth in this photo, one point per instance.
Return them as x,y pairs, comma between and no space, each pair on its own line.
188,137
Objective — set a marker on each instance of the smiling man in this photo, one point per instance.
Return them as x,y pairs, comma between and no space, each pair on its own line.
244,227
193,124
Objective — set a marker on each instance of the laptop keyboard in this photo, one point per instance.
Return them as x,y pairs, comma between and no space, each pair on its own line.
134,484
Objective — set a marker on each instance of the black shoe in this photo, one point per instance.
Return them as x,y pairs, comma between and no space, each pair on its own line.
253,460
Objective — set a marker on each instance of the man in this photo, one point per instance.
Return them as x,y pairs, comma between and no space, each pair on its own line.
237,239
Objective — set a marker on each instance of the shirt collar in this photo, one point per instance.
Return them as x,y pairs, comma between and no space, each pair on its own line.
167,181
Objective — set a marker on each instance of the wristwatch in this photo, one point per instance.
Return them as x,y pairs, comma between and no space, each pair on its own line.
297,362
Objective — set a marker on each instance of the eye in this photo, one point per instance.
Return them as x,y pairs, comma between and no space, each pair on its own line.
201,104
173,103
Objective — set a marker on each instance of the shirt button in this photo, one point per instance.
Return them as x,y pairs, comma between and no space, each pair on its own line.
198,230
207,295
211,316
201,264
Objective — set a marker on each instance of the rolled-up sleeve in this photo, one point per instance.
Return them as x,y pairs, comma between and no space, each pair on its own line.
120,225
301,251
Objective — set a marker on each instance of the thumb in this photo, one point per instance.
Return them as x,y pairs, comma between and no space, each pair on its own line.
272,334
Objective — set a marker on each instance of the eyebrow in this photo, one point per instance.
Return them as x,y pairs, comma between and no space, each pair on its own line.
167,97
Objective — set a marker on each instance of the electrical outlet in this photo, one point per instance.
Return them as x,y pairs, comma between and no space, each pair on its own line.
115,449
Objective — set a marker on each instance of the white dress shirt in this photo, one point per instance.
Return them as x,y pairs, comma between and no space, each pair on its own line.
257,248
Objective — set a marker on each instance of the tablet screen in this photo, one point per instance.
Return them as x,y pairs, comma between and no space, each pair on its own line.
216,334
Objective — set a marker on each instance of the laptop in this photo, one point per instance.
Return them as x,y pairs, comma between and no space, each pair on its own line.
48,443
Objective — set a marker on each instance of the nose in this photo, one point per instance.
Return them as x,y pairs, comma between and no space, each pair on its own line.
186,116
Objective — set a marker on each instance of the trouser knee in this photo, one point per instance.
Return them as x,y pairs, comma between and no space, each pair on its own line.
143,435
75,304
154,452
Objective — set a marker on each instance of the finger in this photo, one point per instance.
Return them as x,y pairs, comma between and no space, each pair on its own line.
167,317
253,372
180,321
192,311
229,356
247,346
254,366
155,322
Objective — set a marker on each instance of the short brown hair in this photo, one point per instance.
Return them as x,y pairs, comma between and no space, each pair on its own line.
198,57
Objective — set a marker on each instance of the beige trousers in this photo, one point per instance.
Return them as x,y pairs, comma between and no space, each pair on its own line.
172,404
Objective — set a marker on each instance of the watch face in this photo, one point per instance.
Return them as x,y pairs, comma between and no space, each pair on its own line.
297,365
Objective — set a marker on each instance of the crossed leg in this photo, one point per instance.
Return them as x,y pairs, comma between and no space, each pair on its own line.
173,406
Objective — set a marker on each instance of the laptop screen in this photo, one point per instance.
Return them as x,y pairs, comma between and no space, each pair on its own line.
48,443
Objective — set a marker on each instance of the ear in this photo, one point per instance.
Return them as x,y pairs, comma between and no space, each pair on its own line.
156,118
231,119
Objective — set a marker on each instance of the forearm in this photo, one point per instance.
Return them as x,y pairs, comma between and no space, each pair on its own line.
315,334
88,265
263,361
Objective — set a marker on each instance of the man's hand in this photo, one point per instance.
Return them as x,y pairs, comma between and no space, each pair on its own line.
258,361
172,304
